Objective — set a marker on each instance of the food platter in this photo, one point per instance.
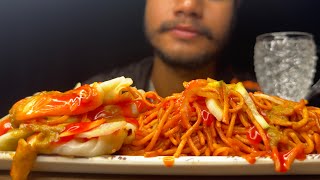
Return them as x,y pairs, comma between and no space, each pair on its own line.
187,165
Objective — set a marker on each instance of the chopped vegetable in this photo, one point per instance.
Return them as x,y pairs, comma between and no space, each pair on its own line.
9,141
240,88
214,108
212,104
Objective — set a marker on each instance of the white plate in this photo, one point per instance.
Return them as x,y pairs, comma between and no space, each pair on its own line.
189,165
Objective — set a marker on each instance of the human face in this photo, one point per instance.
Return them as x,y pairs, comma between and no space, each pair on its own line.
186,33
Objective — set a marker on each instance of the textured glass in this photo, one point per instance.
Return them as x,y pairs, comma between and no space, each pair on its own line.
285,63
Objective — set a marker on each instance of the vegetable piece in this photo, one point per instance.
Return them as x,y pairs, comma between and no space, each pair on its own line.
274,135
212,104
114,88
214,108
240,88
9,140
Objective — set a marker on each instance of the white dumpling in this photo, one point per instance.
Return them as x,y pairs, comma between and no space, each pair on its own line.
101,145
109,139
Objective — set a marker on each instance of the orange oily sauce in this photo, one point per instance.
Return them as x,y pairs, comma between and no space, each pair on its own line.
168,161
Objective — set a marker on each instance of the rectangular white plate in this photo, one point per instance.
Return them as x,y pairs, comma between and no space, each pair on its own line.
189,165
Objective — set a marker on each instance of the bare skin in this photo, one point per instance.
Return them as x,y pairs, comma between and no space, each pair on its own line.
187,36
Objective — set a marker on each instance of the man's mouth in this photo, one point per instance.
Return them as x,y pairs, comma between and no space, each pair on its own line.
185,32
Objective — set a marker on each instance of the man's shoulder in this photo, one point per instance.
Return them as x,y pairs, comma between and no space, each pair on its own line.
138,71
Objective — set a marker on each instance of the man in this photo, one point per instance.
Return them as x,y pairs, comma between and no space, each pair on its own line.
188,37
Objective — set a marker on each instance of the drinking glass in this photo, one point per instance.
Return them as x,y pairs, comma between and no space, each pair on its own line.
285,63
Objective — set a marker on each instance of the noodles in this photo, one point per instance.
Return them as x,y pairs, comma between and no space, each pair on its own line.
181,125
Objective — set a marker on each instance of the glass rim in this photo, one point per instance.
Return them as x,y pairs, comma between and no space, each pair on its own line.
282,34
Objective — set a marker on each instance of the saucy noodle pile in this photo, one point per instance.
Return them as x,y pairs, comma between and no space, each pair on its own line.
211,118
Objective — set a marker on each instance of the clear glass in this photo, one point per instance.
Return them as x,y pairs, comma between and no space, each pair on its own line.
285,63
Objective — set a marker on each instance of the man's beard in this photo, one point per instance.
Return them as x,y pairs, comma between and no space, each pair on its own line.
193,62
182,60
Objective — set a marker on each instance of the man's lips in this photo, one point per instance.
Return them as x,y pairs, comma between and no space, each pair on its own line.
185,32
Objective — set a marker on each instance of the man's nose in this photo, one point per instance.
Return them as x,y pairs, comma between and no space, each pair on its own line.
190,8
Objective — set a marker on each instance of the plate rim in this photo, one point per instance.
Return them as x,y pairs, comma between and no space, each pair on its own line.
184,165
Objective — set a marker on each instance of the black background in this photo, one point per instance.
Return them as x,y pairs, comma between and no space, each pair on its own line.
53,44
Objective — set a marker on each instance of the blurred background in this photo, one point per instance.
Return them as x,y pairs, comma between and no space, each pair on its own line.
53,44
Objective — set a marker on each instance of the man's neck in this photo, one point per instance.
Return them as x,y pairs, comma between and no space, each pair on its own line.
168,80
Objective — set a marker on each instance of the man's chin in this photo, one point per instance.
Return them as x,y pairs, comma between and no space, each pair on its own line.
185,61
186,65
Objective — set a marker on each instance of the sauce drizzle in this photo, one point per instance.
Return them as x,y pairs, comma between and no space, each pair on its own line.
168,161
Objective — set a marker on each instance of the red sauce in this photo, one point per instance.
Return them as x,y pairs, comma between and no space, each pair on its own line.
79,127
141,105
127,109
63,140
168,161
284,156
78,100
55,103
5,126
283,159
253,135
133,121
207,117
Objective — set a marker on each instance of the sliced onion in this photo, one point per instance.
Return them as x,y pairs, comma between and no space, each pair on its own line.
214,108
213,104
113,88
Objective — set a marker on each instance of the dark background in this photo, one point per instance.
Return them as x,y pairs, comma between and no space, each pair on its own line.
53,44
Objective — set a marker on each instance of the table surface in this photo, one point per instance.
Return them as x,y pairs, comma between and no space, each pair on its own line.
71,176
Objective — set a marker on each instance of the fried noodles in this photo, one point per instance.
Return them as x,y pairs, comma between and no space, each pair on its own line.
182,125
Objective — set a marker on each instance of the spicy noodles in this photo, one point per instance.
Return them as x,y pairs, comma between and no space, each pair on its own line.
212,118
